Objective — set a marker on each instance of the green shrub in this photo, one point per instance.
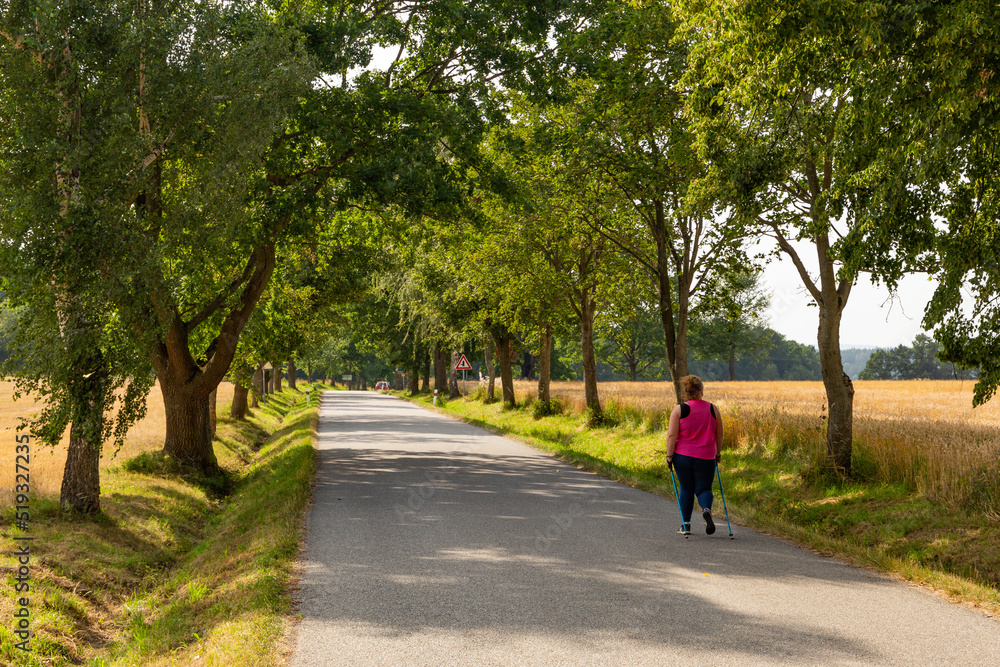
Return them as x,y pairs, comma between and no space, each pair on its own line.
541,409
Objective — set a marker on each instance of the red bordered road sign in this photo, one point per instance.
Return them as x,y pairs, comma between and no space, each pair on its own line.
463,364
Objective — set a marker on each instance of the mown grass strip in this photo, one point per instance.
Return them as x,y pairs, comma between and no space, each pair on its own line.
172,572
777,486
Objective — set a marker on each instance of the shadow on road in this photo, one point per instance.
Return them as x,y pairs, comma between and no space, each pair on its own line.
423,523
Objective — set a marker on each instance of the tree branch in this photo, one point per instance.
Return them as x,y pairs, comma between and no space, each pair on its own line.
790,251
323,171
220,299
262,265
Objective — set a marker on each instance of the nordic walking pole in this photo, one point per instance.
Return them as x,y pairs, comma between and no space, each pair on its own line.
687,533
723,494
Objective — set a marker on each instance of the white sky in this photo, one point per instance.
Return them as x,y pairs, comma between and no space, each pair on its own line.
872,318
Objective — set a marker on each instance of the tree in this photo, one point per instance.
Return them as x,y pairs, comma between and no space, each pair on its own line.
734,328
946,99
225,161
59,172
800,145
558,228
634,129
631,336
964,311
517,291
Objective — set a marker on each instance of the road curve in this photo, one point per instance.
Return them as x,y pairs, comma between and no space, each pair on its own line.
432,542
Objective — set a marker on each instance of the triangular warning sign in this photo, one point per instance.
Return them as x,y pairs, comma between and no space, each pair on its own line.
463,364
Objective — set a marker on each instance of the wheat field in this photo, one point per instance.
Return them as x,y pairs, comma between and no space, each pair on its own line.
924,433
47,463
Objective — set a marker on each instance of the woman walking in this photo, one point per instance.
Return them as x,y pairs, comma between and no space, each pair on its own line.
694,438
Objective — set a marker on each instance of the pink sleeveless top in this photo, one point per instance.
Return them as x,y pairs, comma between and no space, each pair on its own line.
697,432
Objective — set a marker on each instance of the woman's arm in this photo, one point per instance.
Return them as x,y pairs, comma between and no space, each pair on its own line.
672,430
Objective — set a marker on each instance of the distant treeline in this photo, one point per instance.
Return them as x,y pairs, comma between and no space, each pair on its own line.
916,362
783,360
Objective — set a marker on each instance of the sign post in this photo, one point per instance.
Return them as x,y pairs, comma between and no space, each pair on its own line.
463,365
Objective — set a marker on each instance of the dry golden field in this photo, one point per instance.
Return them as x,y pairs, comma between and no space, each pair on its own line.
921,432
47,463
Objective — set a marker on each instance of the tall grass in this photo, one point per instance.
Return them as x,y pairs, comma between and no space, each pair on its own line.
920,433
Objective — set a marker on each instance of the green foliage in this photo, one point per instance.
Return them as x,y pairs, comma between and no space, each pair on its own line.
540,409
8,327
965,309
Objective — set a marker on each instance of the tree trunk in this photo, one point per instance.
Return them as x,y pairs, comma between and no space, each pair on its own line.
81,482
291,374
212,417
658,228
276,378
185,402
839,389
491,383
545,365
238,408
680,362
633,370
188,427
453,391
732,362
258,379
587,310
426,372
309,372
413,382
527,366
506,373
440,368
185,384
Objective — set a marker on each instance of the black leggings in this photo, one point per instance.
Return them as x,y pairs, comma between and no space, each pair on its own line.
695,476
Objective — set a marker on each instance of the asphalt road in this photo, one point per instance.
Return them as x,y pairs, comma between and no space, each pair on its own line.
432,542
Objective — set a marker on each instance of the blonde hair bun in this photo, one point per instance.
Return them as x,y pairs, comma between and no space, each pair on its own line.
692,386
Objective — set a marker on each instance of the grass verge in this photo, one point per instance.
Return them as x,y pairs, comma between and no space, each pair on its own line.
176,570
776,484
